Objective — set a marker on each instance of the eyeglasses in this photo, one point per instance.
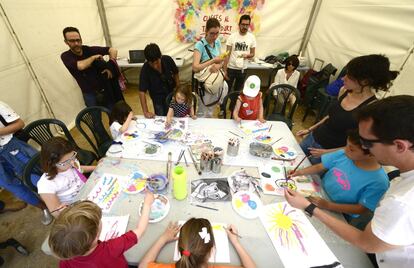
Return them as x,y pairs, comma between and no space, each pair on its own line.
244,24
213,33
67,161
74,40
367,143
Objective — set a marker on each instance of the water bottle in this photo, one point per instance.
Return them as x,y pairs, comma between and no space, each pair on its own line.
179,176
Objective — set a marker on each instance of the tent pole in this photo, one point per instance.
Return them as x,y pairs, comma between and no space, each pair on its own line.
104,22
26,61
309,26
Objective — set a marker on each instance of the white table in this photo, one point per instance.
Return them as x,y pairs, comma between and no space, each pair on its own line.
255,239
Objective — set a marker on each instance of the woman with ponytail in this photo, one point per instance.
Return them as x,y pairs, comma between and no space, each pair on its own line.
196,245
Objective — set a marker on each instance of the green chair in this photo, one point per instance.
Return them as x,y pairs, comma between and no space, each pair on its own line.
91,119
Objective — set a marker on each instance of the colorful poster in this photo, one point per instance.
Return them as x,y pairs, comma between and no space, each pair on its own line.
273,181
113,227
106,191
295,239
222,252
191,17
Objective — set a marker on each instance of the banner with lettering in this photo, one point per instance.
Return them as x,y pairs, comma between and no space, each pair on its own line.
191,17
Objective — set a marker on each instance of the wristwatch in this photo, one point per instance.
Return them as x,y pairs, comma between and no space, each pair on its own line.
309,209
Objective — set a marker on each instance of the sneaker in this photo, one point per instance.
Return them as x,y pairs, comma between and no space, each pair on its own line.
19,247
47,217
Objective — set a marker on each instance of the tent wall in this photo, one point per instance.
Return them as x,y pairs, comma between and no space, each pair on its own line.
346,29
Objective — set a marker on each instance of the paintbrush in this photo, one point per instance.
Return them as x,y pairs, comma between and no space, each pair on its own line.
297,166
185,160
284,170
179,157
169,165
231,231
200,206
269,129
276,141
236,134
194,162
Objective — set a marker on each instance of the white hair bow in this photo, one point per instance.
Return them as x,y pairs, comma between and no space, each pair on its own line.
204,235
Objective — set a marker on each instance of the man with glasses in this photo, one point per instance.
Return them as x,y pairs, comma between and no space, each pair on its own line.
159,76
81,61
386,128
241,46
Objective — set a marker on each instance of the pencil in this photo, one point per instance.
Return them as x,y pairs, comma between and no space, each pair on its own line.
200,206
269,129
236,134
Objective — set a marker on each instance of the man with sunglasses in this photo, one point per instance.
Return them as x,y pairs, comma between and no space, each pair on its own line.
241,46
83,63
386,128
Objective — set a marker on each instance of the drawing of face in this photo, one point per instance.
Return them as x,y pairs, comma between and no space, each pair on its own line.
210,191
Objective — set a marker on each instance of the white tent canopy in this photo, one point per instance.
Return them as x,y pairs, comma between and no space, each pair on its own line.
34,81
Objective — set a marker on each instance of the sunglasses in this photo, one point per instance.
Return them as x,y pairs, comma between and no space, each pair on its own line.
67,161
367,143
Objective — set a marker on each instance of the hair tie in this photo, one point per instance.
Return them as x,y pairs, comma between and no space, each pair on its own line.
186,253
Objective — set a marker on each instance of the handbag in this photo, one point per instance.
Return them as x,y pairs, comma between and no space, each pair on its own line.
212,82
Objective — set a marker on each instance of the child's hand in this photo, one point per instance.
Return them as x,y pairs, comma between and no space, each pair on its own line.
194,117
170,234
292,173
302,132
130,115
237,119
149,198
319,202
232,233
261,120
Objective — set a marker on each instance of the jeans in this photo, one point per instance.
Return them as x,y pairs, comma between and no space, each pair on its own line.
160,107
308,142
237,77
13,158
90,99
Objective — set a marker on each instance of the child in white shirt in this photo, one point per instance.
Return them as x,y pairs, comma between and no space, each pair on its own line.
121,116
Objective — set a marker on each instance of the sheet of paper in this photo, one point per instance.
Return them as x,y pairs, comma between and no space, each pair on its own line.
222,252
295,239
113,226
253,127
106,191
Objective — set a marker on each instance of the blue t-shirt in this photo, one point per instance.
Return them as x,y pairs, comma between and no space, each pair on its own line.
346,183
215,51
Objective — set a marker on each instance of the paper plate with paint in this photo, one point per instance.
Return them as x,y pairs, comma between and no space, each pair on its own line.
159,208
130,136
246,204
285,152
264,138
151,148
136,183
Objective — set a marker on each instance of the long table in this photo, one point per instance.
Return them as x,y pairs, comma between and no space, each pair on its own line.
255,238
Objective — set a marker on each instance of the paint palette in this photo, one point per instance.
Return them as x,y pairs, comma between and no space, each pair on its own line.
136,183
159,208
129,136
264,138
246,204
285,153
157,183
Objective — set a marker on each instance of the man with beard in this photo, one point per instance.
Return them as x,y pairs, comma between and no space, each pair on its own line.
241,46
84,62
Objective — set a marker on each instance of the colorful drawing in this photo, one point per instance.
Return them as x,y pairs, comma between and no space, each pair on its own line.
273,181
264,138
159,208
251,127
158,124
127,136
246,204
152,148
222,251
113,227
190,17
175,134
295,239
136,183
210,190
285,152
106,191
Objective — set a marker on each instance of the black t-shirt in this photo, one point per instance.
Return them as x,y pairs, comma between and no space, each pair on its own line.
158,84
333,133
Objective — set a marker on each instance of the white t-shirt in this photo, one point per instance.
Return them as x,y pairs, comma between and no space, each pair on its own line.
240,45
114,128
393,223
66,185
9,116
280,78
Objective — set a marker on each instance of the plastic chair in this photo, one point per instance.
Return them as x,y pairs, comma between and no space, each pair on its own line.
171,94
232,96
276,105
41,131
90,119
32,167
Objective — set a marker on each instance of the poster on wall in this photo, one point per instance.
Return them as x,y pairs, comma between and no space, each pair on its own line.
191,17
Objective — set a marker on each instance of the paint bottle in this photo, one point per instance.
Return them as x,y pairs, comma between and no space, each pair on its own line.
179,176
